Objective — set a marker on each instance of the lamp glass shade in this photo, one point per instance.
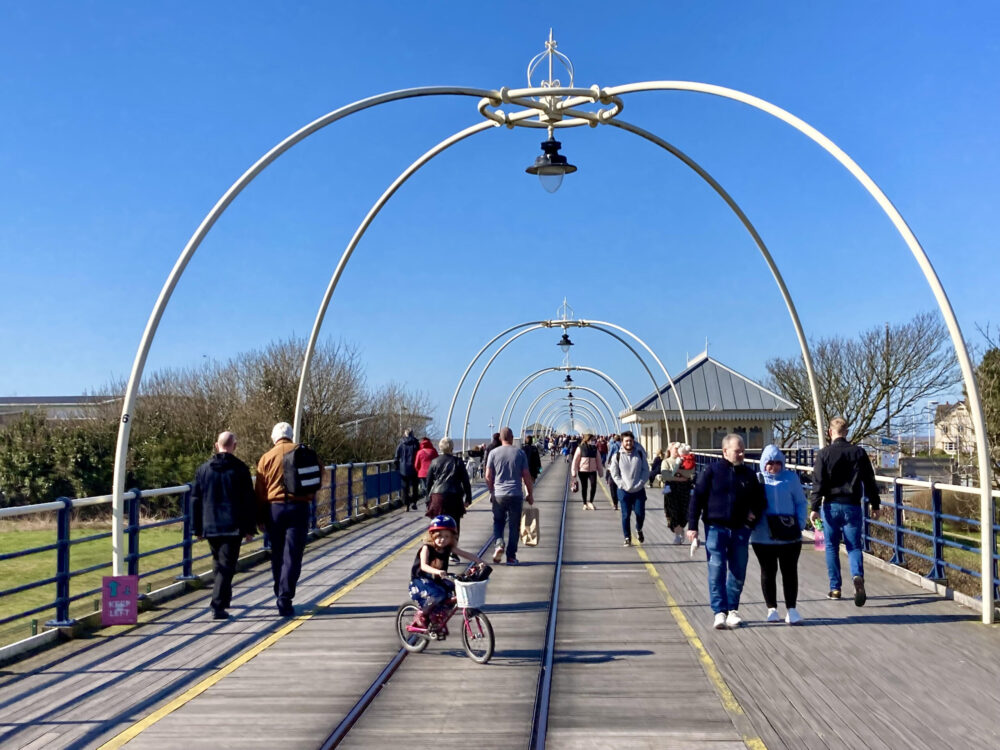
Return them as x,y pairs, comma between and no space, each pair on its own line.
550,182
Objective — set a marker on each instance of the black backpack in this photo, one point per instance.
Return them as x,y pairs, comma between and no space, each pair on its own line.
303,472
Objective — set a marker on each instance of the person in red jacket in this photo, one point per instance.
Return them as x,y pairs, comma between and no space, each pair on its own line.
422,463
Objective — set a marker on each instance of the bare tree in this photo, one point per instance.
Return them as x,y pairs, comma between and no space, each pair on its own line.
873,381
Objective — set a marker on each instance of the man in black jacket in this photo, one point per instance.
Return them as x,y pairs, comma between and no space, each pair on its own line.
223,508
843,477
534,459
406,453
731,499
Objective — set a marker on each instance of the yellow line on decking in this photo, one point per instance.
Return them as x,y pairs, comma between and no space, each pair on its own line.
193,692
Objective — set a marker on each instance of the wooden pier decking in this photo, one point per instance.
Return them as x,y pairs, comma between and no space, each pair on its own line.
636,663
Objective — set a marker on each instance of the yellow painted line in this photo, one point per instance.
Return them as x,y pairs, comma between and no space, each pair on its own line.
729,701
193,692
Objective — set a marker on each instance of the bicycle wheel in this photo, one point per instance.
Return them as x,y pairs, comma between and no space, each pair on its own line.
414,642
477,636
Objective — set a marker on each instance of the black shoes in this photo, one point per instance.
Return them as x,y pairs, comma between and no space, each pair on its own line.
641,537
220,614
628,542
286,611
860,597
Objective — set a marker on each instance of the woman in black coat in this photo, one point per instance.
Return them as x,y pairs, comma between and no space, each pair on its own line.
449,486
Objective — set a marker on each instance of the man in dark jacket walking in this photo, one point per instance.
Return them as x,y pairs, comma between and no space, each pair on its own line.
534,459
406,454
843,477
731,499
223,508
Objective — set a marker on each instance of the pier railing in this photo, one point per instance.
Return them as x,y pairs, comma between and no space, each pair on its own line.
60,578
941,546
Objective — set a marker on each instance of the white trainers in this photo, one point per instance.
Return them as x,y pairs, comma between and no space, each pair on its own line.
772,615
590,506
793,617
733,619
720,621
498,552
678,539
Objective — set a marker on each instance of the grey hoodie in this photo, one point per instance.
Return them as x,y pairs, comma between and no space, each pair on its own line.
629,470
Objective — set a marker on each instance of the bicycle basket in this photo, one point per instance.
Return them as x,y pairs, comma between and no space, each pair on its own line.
470,593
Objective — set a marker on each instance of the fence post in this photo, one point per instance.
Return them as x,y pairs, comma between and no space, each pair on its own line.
188,542
62,619
897,521
937,569
132,558
312,514
333,493
350,490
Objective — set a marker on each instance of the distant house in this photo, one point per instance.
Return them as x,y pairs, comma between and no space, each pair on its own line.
953,432
717,401
54,408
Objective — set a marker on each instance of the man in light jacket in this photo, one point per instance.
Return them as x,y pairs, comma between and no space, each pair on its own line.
629,470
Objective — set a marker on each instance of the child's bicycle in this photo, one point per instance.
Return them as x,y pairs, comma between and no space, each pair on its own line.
477,633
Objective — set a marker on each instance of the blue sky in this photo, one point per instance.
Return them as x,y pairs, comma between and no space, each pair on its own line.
121,124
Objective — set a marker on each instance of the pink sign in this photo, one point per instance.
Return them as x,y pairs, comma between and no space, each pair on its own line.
119,600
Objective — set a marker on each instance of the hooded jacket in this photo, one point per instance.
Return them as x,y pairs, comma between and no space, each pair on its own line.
726,494
423,458
587,458
630,471
406,453
785,496
223,502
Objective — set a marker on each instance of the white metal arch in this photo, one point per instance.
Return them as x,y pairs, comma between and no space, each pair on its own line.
607,407
595,326
552,104
580,410
597,409
556,408
520,387
593,412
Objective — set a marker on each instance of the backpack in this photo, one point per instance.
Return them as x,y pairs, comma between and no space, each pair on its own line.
303,473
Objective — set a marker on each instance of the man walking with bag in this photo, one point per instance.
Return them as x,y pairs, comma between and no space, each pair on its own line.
506,469
842,478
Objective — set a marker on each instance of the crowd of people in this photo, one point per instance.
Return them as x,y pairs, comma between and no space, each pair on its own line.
739,506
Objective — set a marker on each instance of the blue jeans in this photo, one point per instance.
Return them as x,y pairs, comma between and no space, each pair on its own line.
629,501
728,551
841,520
507,511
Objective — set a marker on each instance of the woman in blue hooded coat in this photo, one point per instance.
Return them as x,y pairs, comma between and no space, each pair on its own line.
777,539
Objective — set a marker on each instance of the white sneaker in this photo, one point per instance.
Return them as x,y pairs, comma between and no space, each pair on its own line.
590,506
793,617
772,615
733,619
678,539
498,552
720,621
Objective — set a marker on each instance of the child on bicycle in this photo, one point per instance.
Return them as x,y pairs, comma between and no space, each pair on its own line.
429,584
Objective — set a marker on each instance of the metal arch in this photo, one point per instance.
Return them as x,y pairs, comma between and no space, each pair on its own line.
987,538
468,411
604,401
589,407
542,395
768,259
552,418
586,411
560,408
461,381
152,324
579,324
520,387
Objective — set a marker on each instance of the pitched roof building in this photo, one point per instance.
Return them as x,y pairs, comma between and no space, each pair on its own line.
717,400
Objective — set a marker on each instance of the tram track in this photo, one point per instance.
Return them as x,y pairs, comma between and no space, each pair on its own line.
539,719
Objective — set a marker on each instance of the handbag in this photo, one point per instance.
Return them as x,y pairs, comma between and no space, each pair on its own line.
575,486
784,528
529,526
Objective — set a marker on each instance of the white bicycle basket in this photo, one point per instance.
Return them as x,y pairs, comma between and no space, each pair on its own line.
470,594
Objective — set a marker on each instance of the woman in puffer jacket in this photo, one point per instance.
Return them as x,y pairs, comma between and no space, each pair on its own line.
785,517
587,465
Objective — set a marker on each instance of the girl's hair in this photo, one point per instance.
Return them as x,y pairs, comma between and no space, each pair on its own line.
429,536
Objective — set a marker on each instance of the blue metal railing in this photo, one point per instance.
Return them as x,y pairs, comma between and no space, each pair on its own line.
352,491
898,533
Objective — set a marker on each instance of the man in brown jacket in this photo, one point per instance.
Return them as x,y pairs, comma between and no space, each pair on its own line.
286,518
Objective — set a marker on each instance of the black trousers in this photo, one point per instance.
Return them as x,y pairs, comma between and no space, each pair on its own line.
225,553
675,504
771,557
410,489
287,530
587,477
